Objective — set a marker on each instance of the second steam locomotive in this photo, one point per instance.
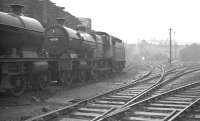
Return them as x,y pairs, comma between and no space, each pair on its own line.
31,56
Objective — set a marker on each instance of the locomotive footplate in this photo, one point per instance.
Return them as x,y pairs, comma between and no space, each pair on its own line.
4,60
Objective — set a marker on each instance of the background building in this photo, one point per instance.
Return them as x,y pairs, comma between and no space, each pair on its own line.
85,24
43,10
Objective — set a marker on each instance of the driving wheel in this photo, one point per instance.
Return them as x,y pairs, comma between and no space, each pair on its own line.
18,86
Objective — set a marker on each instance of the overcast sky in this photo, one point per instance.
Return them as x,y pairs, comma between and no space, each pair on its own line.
133,20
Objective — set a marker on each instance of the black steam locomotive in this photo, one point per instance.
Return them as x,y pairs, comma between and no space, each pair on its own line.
31,56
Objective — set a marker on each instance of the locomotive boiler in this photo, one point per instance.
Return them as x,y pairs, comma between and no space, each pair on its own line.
61,40
20,51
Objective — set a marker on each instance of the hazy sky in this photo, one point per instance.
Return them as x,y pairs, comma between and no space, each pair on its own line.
133,20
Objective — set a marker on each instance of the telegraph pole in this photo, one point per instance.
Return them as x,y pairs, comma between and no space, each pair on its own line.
170,46
175,46
175,49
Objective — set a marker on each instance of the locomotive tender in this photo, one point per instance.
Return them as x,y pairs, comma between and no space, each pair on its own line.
31,56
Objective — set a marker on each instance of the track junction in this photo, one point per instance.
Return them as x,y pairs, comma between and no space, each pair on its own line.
105,106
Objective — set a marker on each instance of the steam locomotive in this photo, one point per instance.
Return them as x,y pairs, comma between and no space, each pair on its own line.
31,56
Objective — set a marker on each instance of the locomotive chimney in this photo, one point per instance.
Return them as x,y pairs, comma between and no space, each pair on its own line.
17,9
60,21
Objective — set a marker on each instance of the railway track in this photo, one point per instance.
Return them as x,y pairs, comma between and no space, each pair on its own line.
168,84
190,113
92,108
99,106
172,83
163,107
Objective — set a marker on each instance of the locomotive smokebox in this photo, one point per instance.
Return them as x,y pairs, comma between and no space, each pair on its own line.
17,9
60,21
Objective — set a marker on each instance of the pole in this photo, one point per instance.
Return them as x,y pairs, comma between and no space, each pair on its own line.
44,13
175,49
170,46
